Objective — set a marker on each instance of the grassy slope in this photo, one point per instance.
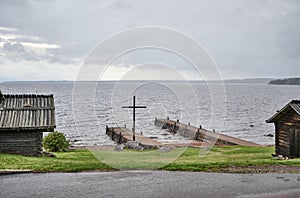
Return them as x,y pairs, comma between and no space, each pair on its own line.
80,160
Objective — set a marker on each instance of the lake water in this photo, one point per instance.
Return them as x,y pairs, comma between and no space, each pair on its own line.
84,109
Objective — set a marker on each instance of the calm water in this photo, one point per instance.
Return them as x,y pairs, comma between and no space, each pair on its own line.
84,109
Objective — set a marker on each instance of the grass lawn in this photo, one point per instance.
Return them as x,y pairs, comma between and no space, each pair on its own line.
70,161
83,160
224,157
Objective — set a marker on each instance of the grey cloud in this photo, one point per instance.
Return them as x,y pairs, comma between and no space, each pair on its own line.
32,56
16,52
13,48
242,36
18,57
30,39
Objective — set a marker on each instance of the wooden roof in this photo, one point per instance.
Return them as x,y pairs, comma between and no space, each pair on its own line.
294,104
27,112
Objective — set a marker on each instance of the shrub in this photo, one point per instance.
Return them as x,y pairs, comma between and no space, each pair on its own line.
55,141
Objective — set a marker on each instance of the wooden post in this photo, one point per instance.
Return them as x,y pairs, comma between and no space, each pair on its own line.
112,134
174,127
197,134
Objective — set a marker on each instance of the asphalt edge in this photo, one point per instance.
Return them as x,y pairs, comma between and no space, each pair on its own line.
7,172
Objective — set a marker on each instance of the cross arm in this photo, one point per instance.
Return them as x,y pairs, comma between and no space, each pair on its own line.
134,107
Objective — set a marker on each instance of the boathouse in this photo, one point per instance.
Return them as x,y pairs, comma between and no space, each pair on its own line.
23,119
287,130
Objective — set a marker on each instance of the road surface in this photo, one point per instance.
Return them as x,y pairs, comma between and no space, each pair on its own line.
149,184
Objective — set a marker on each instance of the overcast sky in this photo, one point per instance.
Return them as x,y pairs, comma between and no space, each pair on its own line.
49,40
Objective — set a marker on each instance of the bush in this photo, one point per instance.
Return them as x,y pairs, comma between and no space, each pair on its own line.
55,141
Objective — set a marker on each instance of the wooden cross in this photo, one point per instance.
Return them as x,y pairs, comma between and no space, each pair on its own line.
133,119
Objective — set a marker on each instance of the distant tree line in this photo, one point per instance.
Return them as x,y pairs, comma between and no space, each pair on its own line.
287,81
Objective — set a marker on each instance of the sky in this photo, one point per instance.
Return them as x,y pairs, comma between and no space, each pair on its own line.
51,40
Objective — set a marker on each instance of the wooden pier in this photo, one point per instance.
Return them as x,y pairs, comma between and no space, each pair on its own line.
123,135
198,137
199,134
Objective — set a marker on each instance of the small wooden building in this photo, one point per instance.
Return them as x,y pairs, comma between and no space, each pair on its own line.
287,130
23,119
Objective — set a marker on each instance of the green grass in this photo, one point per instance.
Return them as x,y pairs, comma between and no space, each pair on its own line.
132,160
178,159
71,161
223,157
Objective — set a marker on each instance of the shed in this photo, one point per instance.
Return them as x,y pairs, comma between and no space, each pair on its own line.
23,119
287,130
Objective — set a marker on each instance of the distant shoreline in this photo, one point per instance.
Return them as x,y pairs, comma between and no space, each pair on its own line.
243,81
287,81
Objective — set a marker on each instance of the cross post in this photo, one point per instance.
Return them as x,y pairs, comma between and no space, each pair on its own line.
133,107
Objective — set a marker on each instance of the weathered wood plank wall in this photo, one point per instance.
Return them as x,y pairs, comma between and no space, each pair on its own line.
23,143
283,128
